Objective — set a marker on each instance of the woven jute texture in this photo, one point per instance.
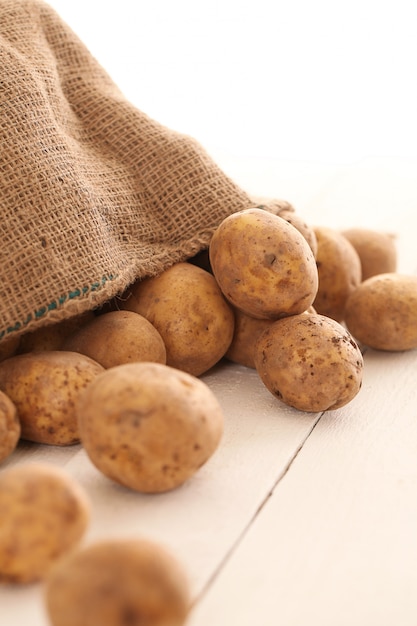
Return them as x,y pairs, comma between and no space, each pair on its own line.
93,193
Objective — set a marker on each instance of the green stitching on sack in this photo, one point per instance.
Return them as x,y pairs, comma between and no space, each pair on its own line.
55,304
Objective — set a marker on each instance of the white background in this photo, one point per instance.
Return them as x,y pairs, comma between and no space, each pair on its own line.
319,81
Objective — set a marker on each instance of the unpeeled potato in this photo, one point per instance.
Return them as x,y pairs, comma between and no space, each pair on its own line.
382,312
118,337
118,582
310,362
263,265
43,514
149,426
52,336
293,218
9,346
377,250
247,331
187,308
9,426
44,387
339,270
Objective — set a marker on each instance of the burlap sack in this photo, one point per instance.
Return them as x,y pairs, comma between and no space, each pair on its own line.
93,193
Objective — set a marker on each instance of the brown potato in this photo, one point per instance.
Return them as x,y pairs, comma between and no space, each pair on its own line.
310,362
9,427
382,312
307,231
149,426
45,386
339,269
247,331
118,583
52,336
44,513
376,250
9,346
118,337
187,308
264,266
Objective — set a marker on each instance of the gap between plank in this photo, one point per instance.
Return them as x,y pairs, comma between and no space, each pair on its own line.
245,530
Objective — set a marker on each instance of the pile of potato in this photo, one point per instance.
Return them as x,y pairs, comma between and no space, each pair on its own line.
292,301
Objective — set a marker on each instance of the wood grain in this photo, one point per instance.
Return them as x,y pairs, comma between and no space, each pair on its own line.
337,541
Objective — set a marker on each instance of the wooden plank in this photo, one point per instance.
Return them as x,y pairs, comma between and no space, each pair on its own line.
336,544
201,521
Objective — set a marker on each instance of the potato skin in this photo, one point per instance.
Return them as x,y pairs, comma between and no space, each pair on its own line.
44,513
187,308
118,337
52,336
339,270
9,346
263,264
9,427
382,312
310,362
44,387
247,331
149,426
307,231
144,584
376,250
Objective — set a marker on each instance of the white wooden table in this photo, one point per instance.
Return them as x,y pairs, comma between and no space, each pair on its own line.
298,519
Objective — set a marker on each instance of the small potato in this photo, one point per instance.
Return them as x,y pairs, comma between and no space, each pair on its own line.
51,337
382,312
339,269
118,337
310,362
43,514
376,250
263,264
44,386
9,427
125,582
149,426
187,308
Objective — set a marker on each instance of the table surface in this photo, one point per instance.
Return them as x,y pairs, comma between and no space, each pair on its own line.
298,519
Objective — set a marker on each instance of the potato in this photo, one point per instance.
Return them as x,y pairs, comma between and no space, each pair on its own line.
52,336
149,426
9,346
264,266
118,337
187,308
247,331
339,270
125,582
310,362
376,250
9,427
44,386
44,513
382,312
307,231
